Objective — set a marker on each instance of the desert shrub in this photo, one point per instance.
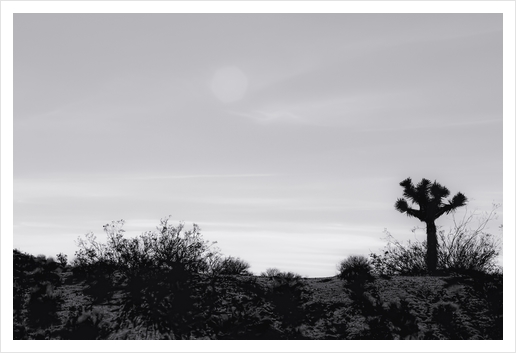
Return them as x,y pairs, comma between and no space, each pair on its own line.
286,293
400,259
283,280
289,279
470,249
464,249
271,272
161,273
62,259
355,269
169,247
230,266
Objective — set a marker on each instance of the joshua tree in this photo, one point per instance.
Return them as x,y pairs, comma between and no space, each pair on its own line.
429,197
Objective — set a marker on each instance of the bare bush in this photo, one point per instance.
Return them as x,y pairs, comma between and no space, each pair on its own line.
230,266
271,272
169,247
161,272
470,249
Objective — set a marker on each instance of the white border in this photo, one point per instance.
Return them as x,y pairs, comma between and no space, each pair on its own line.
8,8
257,6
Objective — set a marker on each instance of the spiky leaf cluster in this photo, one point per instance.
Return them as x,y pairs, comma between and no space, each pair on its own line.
430,197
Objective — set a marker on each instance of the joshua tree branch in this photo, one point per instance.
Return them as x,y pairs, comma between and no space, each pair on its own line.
402,206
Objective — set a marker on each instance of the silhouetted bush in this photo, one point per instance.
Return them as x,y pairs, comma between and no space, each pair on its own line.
399,259
355,269
469,250
62,259
169,247
287,279
271,272
160,271
230,266
286,293
283,280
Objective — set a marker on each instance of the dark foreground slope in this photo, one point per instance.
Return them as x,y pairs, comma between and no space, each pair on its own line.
52,302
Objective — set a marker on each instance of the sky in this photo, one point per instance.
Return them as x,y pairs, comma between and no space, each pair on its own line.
283,136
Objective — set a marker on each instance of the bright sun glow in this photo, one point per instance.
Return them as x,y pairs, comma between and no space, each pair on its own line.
229,84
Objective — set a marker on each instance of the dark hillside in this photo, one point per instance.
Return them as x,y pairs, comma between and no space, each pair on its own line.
53,302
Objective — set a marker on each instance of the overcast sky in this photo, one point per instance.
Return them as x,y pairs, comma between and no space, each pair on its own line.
283,136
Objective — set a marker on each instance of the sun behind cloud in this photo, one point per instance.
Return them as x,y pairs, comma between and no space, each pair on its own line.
229,84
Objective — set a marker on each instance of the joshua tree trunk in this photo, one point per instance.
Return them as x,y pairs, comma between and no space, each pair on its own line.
431,242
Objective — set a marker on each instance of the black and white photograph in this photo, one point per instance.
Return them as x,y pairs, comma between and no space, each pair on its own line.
259,175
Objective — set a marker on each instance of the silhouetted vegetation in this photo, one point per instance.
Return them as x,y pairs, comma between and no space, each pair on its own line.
286,292
355,269
428,197
36,302
173,284
230,266
464,249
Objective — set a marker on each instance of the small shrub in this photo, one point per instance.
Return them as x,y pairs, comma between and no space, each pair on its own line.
290,279
284,281
355,269
286,293
62,259
231,266
271,272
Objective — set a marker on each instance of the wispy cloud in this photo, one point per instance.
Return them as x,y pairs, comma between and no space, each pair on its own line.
39,225
434,125
30,189
273,116
339,108
199,176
